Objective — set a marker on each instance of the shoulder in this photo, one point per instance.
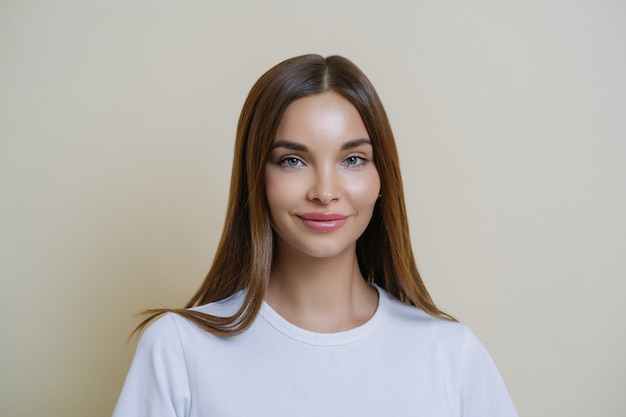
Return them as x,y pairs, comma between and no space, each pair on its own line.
170,329
157,382
413,326
459,355
414,319
161,337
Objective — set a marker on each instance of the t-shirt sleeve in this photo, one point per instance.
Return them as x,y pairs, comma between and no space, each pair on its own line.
157,384
483,393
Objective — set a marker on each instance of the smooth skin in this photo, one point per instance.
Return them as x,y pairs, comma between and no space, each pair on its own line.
322,185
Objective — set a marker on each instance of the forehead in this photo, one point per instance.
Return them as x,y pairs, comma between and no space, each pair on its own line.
327,115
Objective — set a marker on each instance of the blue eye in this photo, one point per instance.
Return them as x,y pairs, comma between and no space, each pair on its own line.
290,162
354,160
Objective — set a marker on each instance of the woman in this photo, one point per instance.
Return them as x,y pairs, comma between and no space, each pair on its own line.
313,305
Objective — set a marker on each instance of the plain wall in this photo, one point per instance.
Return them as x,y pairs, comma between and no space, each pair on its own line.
117,121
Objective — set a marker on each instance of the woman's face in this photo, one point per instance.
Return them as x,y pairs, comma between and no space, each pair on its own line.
321,180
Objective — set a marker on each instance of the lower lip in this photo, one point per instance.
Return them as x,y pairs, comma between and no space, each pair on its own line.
324,225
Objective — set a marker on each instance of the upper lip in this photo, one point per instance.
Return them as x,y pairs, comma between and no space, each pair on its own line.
322,217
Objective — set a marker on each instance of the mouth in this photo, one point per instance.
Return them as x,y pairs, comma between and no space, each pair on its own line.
323,222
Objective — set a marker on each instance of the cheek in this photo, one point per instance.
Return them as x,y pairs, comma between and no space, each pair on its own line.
268,181
271,187
279,189
366,189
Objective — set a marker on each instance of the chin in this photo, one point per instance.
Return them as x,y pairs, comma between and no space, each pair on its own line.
320,251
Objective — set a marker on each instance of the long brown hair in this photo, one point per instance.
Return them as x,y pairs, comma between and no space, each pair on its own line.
244,256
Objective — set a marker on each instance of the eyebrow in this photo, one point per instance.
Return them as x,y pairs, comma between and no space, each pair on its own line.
299,147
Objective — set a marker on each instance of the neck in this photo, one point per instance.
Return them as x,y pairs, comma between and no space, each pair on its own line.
320,294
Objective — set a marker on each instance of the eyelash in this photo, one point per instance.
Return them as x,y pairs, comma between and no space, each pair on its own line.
362,160
284,161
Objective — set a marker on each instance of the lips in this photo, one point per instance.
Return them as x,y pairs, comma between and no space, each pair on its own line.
323,222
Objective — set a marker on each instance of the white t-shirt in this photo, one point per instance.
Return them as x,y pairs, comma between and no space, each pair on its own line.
402,362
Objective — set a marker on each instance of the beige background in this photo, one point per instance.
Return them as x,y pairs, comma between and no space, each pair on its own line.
117,121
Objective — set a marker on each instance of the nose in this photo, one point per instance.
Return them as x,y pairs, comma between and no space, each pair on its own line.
325,187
